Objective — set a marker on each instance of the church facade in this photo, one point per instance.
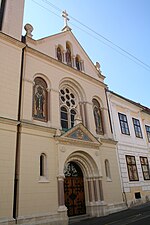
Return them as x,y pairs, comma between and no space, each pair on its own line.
59,154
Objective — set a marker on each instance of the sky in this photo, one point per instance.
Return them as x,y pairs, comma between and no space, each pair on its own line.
115,33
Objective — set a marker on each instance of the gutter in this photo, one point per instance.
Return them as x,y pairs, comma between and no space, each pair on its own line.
2,12
18,139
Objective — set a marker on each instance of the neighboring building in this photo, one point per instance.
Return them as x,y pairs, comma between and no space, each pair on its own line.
58,156
131,128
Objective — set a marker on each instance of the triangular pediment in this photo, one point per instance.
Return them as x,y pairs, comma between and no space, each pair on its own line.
80,133
49,44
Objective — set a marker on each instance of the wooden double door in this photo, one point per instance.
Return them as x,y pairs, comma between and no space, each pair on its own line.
74,190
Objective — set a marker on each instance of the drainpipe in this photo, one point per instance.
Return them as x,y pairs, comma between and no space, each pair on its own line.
18,138
2,11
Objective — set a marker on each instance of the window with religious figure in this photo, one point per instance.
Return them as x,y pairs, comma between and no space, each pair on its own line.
59,54
145,167
78,66
132,169
40,99
68,55
68,105
97,117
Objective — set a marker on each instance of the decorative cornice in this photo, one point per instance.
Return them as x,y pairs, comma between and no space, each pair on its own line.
12,40
64,66
109,141
76,142
32,126
9,121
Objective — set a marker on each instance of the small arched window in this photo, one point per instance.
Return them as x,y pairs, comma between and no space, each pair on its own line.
78,66
43,165
59,54
40,99
68,55
68,104
97,117
107,169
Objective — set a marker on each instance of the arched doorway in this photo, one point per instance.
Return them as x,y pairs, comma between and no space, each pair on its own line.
74,189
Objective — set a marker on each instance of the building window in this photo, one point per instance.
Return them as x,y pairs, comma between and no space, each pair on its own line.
78,65
148,132
68,105
59,54
107,170
40,99
132,169
97,117
145,168
68,55
42,165
123,124
137,128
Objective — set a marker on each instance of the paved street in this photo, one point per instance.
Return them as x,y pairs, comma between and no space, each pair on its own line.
139,215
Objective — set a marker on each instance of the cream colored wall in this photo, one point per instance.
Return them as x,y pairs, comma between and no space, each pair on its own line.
13,18
130,145
112,188
10,58
7,168
54,75
37,196
48,46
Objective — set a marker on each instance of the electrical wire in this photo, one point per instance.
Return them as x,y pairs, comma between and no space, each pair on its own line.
116,47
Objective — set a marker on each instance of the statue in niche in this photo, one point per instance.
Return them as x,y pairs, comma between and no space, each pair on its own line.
39,102
68,56
59,54
77,63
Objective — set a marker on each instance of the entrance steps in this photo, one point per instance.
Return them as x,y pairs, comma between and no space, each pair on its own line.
74,219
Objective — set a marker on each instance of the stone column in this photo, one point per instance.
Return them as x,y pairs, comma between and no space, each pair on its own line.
73,61
61,201
90,190
95,190
101,195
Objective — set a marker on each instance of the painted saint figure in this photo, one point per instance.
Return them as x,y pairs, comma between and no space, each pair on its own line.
39,100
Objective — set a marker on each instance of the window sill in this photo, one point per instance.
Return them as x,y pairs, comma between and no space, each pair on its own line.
43,180
108,179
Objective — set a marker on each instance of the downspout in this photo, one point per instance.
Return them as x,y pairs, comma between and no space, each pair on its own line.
2,11
18,138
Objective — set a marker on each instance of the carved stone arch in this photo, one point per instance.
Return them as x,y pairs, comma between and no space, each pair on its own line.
44,77
86,163
76,86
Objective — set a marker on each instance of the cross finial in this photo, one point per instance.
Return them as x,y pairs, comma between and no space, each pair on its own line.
65,15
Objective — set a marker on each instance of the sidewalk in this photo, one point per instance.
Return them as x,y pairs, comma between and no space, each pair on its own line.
129,216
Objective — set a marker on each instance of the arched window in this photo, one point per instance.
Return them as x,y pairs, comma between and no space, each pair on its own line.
68,104
43,165
68,55
107,169
59,54
78,66
40,99
97,117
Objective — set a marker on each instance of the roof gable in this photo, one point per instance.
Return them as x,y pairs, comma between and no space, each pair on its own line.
49,44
